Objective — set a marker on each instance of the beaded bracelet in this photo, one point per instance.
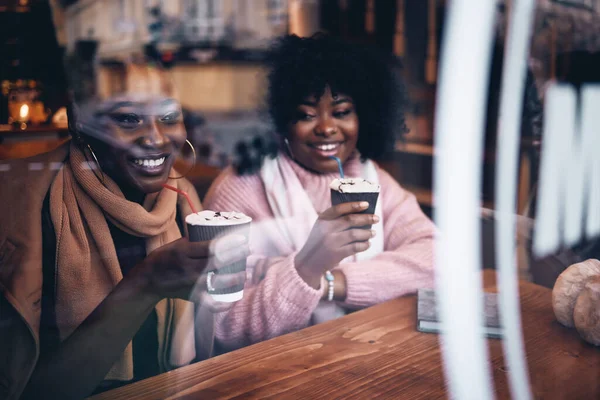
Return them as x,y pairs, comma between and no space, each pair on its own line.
329,278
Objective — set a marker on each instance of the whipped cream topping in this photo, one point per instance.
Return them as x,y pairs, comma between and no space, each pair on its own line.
354,185
208,217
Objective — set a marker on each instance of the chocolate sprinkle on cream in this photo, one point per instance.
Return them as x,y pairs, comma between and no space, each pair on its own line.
354,185
208,217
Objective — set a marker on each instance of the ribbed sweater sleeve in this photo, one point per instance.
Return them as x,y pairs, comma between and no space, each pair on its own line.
279,303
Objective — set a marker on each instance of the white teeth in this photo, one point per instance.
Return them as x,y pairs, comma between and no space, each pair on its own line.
326,147
150,163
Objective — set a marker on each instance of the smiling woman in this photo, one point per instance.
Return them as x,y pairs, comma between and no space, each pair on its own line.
134,126
101,287
312,262
353,80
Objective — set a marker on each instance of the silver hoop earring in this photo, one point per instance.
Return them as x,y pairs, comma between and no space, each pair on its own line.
193,165
289,149
95,160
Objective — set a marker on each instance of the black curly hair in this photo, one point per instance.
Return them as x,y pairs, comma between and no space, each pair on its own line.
302,67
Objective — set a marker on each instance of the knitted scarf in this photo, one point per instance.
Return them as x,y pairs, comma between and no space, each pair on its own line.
87,268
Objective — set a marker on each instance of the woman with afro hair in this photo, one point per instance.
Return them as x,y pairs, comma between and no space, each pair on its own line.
311,262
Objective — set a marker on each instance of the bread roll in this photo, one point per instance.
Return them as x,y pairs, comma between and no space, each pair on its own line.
568,286
587,311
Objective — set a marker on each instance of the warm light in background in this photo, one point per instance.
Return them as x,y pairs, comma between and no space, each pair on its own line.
24,112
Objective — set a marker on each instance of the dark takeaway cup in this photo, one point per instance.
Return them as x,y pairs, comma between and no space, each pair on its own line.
210,225
355,189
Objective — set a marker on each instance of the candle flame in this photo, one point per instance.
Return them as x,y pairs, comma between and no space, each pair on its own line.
24,111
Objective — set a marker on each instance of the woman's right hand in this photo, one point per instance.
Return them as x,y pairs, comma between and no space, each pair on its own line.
178,269
335,236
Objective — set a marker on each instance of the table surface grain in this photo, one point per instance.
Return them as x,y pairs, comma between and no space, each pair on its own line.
378,353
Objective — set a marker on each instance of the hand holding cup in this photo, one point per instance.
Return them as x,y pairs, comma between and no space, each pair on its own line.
174,270
338,233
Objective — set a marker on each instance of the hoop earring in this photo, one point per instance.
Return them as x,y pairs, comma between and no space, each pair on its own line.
95,160
193,165
289,149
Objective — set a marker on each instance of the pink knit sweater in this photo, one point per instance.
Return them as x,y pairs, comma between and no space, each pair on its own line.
276,300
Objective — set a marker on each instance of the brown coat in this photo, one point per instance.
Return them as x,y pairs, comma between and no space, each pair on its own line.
23,186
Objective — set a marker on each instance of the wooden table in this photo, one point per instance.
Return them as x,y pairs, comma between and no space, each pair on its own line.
377,353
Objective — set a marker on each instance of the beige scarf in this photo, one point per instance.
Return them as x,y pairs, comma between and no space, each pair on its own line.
86,259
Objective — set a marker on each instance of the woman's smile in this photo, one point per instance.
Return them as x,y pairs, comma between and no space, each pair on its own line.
151,164
326,149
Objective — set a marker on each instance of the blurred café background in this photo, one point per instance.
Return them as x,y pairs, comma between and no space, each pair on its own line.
215,51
